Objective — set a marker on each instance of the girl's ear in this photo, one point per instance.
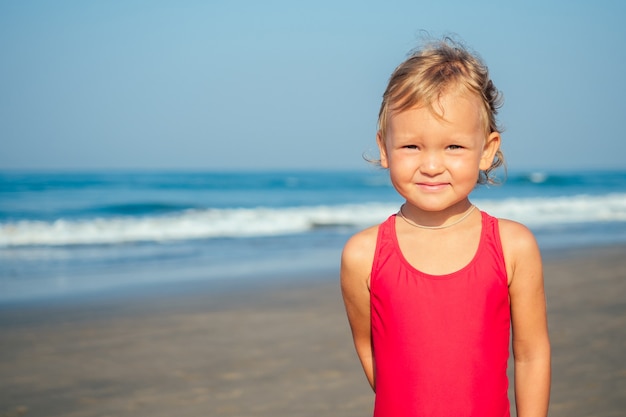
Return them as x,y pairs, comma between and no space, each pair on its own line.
382,150
491,146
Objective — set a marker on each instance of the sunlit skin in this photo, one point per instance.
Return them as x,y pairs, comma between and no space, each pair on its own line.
434,159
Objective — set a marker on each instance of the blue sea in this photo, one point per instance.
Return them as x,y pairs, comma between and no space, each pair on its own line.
73,233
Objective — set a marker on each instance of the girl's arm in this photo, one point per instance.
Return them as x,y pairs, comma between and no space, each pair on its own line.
531,344
356,265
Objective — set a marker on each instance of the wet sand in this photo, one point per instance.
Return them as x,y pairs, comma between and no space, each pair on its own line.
279,348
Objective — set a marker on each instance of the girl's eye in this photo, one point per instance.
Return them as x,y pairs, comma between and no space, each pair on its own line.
410,147
455,147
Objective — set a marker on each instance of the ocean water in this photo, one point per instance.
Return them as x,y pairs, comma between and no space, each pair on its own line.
86,232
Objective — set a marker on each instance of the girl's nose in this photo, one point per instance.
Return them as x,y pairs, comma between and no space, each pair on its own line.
432,163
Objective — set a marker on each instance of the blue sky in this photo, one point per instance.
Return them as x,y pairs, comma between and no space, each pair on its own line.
291,85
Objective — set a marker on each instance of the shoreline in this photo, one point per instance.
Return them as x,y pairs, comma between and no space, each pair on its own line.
192,283
279,347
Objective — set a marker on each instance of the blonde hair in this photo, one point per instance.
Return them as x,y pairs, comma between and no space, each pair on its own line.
432,70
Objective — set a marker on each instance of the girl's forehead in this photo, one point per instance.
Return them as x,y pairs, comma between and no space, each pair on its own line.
456,107
447,108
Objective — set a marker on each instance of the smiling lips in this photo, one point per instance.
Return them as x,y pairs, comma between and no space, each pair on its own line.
432,186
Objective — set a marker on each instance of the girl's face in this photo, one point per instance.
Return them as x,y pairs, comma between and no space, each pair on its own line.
434,160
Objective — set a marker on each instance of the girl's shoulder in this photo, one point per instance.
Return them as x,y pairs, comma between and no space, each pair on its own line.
514,234
358,255
518,245
362,245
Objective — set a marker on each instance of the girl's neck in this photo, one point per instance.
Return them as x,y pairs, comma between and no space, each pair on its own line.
436,220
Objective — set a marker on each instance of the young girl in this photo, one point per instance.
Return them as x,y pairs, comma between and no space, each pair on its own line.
433,292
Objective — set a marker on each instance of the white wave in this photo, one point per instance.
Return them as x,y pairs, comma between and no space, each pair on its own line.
559,210
192,224
263,221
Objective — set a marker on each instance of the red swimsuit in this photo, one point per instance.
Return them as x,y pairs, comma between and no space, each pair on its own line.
440,342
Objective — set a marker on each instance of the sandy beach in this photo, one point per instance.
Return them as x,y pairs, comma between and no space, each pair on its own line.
277,348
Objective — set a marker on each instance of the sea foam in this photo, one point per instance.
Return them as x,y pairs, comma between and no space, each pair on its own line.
265,221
